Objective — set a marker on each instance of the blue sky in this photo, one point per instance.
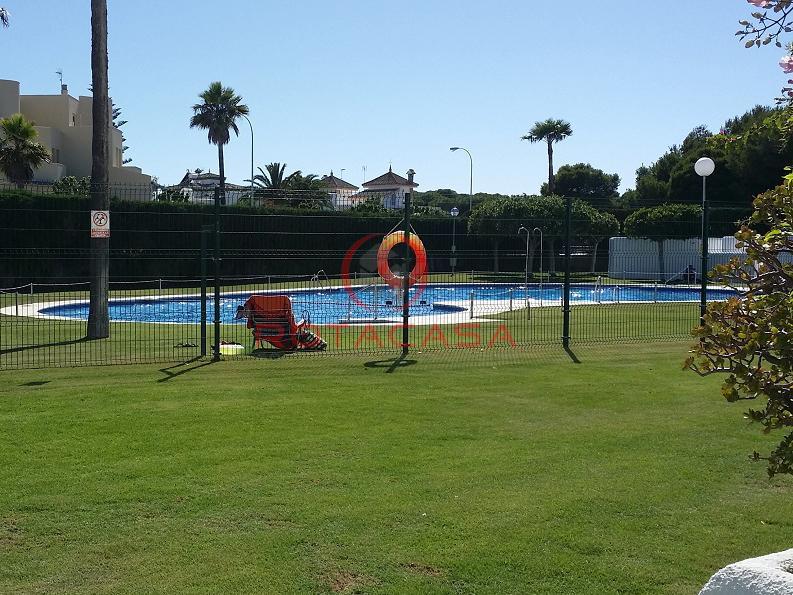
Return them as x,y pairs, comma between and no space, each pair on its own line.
355,83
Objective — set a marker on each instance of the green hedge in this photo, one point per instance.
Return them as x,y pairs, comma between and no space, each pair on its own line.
46,239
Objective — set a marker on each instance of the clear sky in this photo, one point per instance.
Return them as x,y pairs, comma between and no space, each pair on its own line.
353,83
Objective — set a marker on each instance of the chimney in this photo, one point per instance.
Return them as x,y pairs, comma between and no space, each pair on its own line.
64,89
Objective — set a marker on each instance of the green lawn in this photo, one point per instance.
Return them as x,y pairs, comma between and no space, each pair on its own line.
30,342
464,472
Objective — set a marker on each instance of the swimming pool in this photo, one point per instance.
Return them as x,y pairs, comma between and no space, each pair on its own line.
430,303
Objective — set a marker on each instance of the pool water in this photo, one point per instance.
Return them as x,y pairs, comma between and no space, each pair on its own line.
338,305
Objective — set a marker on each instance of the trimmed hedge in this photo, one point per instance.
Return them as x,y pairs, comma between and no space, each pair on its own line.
46,239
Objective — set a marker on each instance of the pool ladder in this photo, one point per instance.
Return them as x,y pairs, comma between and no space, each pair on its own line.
317,277
376,300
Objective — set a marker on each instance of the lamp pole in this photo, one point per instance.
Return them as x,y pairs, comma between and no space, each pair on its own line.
471,179
453,260
251,125
704,167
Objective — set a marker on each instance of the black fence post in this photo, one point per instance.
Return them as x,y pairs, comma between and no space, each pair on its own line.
406,278
216,259
568,215
205,231
703,275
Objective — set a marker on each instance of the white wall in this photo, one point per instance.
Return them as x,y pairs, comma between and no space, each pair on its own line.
632,258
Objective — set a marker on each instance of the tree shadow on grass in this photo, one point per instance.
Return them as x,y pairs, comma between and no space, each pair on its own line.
43,345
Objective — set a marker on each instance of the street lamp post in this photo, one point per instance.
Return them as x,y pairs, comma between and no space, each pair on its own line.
453,260
471,179
704,167
251,125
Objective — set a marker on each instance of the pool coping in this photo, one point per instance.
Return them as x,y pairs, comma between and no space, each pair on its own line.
464,314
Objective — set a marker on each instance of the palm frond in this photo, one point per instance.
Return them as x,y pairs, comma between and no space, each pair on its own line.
218,113
548,130
20,153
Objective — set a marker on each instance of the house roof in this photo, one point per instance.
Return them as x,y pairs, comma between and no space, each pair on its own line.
190,177
389,179
193,180
332,181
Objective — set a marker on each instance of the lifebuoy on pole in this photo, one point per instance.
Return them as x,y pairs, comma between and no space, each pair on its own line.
419,269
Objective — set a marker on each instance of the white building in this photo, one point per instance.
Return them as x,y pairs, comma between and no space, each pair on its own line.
65,127
342,193
199,187
390,188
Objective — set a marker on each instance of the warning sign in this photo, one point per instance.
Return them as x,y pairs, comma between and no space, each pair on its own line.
100,224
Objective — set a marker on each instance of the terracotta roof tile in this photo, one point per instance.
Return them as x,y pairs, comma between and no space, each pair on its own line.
332,181
389,179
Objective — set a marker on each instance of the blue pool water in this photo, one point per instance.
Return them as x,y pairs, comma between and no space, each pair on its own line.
343,305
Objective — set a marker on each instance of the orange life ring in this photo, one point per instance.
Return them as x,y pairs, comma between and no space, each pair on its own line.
391,240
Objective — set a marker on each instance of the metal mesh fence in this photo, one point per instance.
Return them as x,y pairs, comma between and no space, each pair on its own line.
496,283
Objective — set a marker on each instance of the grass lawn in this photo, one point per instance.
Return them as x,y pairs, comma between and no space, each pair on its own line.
464,472
34,342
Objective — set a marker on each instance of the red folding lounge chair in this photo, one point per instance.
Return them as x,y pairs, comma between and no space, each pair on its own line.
272,320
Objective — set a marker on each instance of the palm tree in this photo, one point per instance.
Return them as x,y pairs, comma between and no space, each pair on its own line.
551,131
218,114
4,17
273,178
309,190
98,316
20,154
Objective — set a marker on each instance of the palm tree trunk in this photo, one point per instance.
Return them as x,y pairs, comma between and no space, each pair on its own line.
222,170
550,167
661,264
552,257
98,318
595,255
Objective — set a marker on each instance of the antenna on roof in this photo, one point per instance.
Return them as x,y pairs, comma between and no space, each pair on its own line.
59,72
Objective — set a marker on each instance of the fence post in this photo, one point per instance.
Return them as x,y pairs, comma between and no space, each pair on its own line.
406,278
375,301
566,298
205,230
216,259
